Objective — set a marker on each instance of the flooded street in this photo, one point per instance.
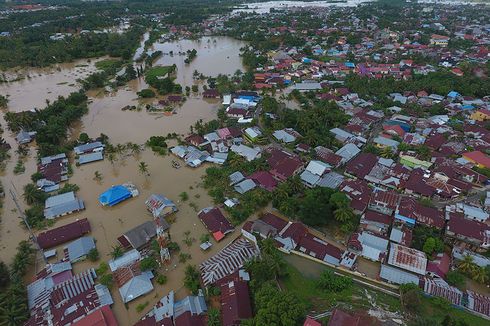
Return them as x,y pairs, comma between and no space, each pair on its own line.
218,55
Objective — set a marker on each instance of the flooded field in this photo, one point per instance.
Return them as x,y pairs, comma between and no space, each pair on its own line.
218,55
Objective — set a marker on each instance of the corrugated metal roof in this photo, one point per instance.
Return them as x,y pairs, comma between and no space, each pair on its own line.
397,276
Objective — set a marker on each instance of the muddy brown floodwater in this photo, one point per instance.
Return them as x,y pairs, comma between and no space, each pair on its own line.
105,116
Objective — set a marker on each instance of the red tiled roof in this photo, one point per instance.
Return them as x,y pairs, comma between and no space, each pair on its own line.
235,303
264,180
377,217
186,319
478,157
387,199
274,221
215,221
62,234
361,165
468,228
101,317
340,318
430,216
311,322
318,248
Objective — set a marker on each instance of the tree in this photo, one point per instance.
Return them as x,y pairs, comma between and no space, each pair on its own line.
148,263
479,275
330,282
107,280
277,308
4,275
191,279
214,317
161,279
33,195
410,297
466,265
146,93
455,278
117,252
143,168
344,214
429,246
98,176
93,254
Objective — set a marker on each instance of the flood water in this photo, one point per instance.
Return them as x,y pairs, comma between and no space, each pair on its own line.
105,116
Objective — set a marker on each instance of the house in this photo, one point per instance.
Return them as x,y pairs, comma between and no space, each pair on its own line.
117,194
227,261
342,135
100,317
25,137
439,267
54,168
60,205
63,298
439,288
320,249
313,172
369,245
195,140
480,115
141,235
264,180
408,259
211,93
413,162
253,135
235,304
375,222
397,276
160,206
384,202
468,231
358,192
286,136
79,249
87,148
361,165
47,185
244,186
131,281
439,40
90,157
283,164
215,222
63,234
410,211
401,235
189,311
330,180
478,158
479,260
478,303
348,152
248,153
311,322
384,142
235,178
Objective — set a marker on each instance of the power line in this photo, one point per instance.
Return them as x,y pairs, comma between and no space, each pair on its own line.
24,218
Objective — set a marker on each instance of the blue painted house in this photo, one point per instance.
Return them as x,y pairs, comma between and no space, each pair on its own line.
116,194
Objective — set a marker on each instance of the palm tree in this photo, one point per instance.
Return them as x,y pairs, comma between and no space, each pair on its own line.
98,176
343,214
479,275
32,194
143,167
111,157
117,252
466,265
386,152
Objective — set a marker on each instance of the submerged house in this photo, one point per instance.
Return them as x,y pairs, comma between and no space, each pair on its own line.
160,206
116,194
215,222
61,205
141,235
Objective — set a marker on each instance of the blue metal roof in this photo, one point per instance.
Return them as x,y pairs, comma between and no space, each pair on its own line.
114,195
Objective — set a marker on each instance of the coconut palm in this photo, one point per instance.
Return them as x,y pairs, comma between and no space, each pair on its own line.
13,312
117,252
98,176
386,152
143,167
33,195
111,157
467,264
343,214
479,275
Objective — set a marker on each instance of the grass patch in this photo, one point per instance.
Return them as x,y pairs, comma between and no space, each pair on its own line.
156,72
109,66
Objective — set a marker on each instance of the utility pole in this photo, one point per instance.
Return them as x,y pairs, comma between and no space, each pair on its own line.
24,218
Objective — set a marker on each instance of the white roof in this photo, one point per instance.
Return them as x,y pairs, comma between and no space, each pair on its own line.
317,167
348,152
248,152
59,199
126,259
397,276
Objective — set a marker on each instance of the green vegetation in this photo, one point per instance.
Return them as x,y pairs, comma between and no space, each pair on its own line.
214,317
148,263
140,307
146,93
107,280
13,296
191,279
161,279
93,254
455,278
155,77
184,196
117,251
330,282
158,144
191,55
109,66
4,101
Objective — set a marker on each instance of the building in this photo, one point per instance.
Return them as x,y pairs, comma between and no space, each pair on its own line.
227,261
79,249
235,302
100,317
160,206
128,276
408,259
478,158
480,115
141,235
215,222
384,202
468,231
117,194
61,205
87,148
413,162
369,245
439,288
63,234
439,40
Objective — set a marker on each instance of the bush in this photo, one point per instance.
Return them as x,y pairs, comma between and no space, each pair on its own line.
103,268
93,254
107,280
148,263
183,196
330,282
161,279
146,93
142,306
